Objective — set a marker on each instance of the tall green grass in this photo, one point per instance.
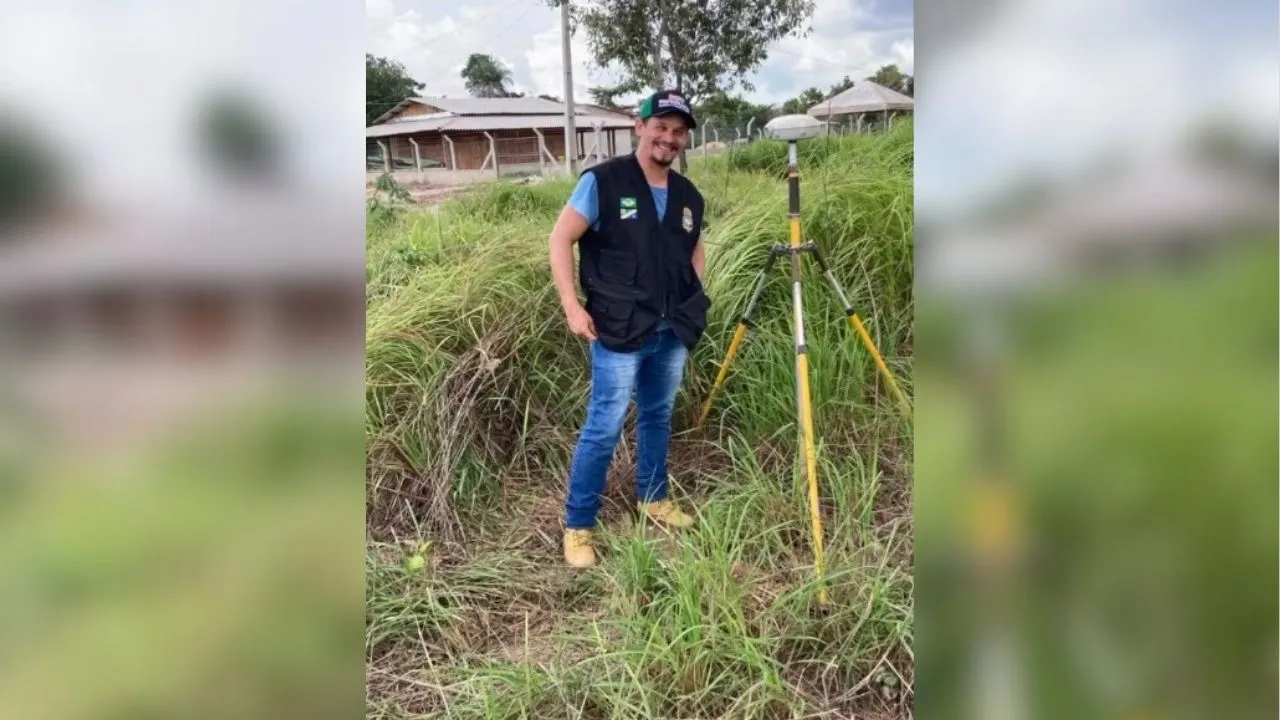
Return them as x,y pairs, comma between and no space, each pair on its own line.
476,390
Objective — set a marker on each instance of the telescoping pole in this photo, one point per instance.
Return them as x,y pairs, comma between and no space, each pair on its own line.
803,402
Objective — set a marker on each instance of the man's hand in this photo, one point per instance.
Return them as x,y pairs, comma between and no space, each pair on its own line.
580,321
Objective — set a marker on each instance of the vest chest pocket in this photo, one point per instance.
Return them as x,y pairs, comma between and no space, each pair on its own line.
617,267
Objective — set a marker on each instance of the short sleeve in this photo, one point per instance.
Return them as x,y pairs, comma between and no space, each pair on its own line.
586,201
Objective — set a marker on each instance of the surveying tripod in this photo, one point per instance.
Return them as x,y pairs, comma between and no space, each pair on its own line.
803,403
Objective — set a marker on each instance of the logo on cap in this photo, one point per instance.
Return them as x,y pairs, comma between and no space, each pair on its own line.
674,101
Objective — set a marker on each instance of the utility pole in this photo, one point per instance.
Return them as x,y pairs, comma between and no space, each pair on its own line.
570,134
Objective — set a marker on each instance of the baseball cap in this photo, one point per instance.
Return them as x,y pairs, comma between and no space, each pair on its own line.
665,102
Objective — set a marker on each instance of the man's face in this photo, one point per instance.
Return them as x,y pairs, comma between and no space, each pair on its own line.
663,137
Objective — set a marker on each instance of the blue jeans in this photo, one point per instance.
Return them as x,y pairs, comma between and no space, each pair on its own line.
653,373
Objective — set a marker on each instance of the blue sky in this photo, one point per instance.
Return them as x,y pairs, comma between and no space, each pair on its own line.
434,37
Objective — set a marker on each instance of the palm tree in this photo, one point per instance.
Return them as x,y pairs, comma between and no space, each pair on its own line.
486,77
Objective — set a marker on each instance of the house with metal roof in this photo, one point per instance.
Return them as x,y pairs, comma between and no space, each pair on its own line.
438,140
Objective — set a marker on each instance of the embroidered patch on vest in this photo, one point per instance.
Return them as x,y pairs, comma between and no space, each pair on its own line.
687,221
628,208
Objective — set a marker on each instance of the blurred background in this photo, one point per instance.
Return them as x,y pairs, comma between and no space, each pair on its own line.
181,359
181,373
1096,381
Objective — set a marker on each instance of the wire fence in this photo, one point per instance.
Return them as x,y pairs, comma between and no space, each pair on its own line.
719,137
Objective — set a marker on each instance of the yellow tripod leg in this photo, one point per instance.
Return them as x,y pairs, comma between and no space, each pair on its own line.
739,334
875,354
858,327
724,372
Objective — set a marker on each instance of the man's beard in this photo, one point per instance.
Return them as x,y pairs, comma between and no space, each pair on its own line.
659,152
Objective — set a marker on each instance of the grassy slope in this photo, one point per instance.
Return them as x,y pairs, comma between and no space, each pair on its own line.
475,394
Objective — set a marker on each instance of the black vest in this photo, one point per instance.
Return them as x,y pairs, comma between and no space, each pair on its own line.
636,271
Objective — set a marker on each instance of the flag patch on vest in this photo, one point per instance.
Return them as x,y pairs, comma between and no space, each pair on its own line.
687,221
628,208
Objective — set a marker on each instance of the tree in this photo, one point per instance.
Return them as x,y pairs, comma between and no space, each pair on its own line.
840,87
698,47
607,96
894,79
386,83
801,104
726,112
238,138
487,77
888,75
33,176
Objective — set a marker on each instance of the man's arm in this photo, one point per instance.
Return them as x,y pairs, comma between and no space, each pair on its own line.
699,258
568,229
699,245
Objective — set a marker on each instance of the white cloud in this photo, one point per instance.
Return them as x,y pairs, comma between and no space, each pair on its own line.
1251,95
435,50
379,9
833,48
905,53
819,60
1045,90
546,64
91,56
834,13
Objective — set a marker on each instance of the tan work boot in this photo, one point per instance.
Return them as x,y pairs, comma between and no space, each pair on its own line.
667,513
577,548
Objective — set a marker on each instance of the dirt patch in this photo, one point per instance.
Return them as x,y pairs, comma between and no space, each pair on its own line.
426,195
435,195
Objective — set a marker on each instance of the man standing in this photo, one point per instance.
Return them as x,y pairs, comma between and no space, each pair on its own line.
638,227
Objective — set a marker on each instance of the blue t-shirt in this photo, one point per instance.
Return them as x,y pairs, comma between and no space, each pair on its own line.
587,203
